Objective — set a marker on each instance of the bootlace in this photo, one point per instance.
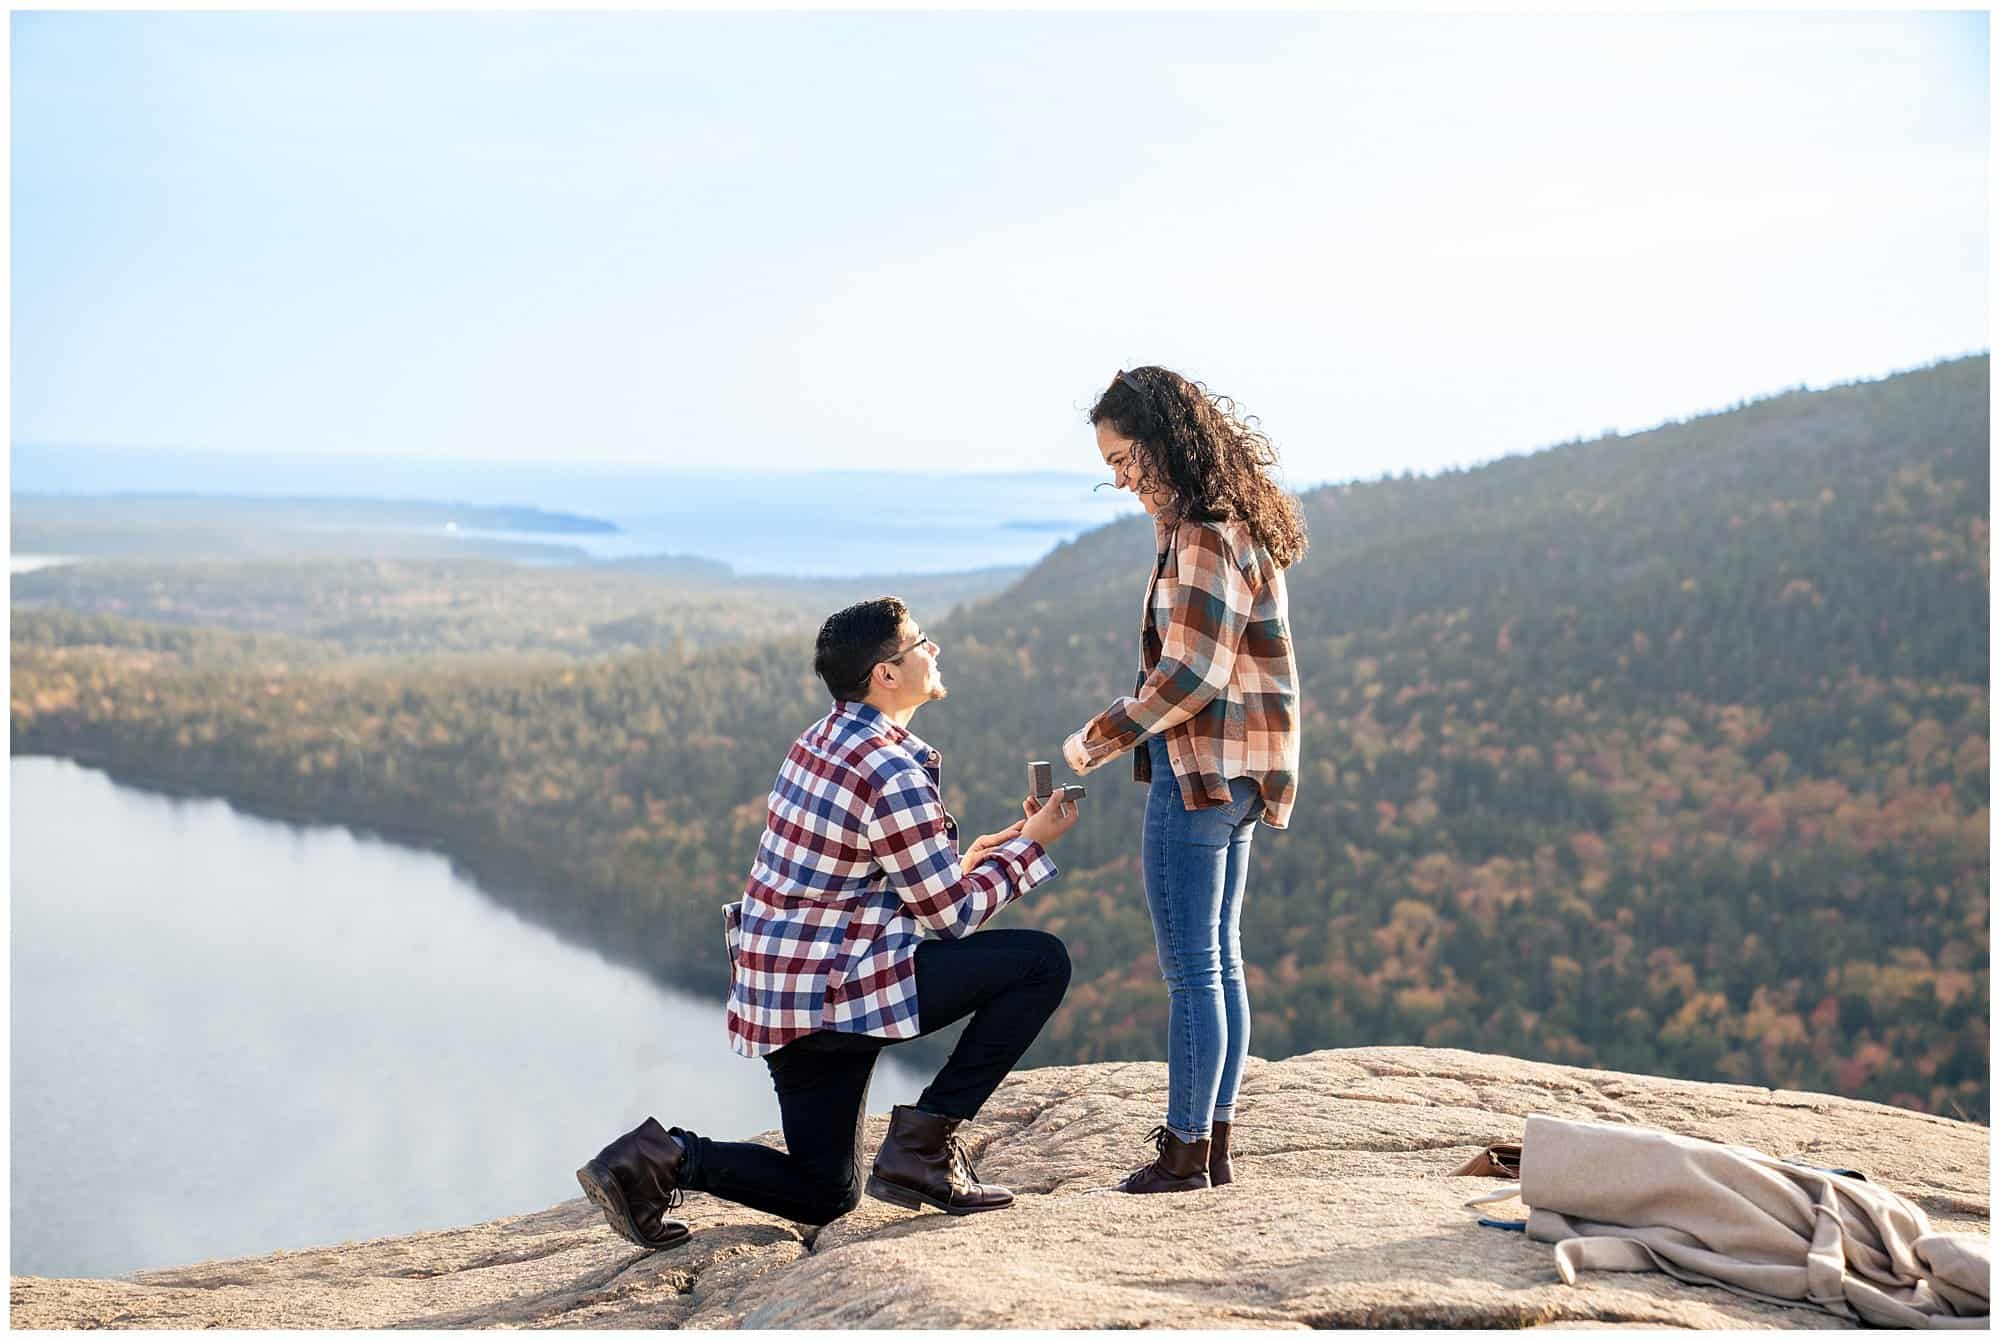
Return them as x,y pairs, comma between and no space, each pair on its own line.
961,1159
666,1195
1158,1135
671,1198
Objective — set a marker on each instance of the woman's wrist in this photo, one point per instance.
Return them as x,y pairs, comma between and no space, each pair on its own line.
1076,753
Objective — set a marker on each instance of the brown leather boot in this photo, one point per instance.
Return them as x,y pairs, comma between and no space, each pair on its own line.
635,1180
923,1162
1219,1172
1182,1165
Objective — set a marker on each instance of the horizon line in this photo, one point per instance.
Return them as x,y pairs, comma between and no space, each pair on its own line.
600,465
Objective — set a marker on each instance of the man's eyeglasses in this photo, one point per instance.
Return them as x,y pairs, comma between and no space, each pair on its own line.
903,651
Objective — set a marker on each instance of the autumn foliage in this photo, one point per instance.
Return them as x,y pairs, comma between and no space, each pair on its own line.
1663,753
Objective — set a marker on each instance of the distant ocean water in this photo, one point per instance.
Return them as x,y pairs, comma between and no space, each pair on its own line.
834,523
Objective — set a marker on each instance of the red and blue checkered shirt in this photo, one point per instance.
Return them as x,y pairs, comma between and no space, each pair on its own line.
858,862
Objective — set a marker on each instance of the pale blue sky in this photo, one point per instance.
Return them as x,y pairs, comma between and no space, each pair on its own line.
856,241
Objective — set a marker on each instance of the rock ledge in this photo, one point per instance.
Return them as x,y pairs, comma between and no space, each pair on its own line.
1342,1216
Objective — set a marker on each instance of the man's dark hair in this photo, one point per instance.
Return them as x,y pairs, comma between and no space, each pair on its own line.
854,640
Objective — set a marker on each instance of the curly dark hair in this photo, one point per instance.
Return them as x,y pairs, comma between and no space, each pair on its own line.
1210,460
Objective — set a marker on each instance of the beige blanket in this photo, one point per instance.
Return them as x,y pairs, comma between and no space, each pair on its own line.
1624,1198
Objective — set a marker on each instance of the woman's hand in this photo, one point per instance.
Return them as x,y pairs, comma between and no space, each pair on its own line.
983,845
1076,749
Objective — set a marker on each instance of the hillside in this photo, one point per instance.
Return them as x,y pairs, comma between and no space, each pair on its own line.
1666,752
1343,1214
469,608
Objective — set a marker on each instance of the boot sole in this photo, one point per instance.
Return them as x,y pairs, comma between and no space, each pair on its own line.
1187,1184
604,1193
916,1200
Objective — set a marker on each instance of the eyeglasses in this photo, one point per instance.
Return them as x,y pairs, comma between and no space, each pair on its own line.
901,652
1131,380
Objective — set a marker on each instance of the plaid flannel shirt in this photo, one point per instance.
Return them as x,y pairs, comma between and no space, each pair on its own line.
857,863
1220,680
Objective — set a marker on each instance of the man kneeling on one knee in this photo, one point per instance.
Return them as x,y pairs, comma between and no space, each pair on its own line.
830,961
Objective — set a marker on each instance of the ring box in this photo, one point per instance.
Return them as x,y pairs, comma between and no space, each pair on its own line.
1041,784
1041,780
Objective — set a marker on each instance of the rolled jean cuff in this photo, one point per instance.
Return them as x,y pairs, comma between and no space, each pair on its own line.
1224,1113
1185,1137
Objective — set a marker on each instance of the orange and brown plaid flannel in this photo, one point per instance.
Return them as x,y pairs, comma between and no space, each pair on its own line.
1219,681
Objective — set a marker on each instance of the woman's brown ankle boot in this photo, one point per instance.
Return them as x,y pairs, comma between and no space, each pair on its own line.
1182,1165
1219,1173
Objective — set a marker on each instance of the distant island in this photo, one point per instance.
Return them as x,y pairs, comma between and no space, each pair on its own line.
197,525
286,507
522,518
1040,527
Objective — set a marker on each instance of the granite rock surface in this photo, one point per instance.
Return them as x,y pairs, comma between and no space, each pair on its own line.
1343,1215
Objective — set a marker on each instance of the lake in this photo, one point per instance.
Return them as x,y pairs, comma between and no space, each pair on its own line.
233,1035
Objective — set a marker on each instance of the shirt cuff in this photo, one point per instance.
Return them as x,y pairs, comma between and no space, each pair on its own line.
1029,862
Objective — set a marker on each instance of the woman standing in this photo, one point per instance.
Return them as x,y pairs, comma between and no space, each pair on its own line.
1215,722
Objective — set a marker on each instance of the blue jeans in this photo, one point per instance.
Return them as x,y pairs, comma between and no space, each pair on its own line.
1195,864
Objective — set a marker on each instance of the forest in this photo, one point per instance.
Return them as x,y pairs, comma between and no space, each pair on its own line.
1665,752
441,610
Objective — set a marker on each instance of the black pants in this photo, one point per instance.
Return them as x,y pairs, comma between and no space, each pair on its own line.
1009,981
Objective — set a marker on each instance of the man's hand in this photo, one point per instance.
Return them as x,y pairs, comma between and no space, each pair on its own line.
986,842
1047,823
